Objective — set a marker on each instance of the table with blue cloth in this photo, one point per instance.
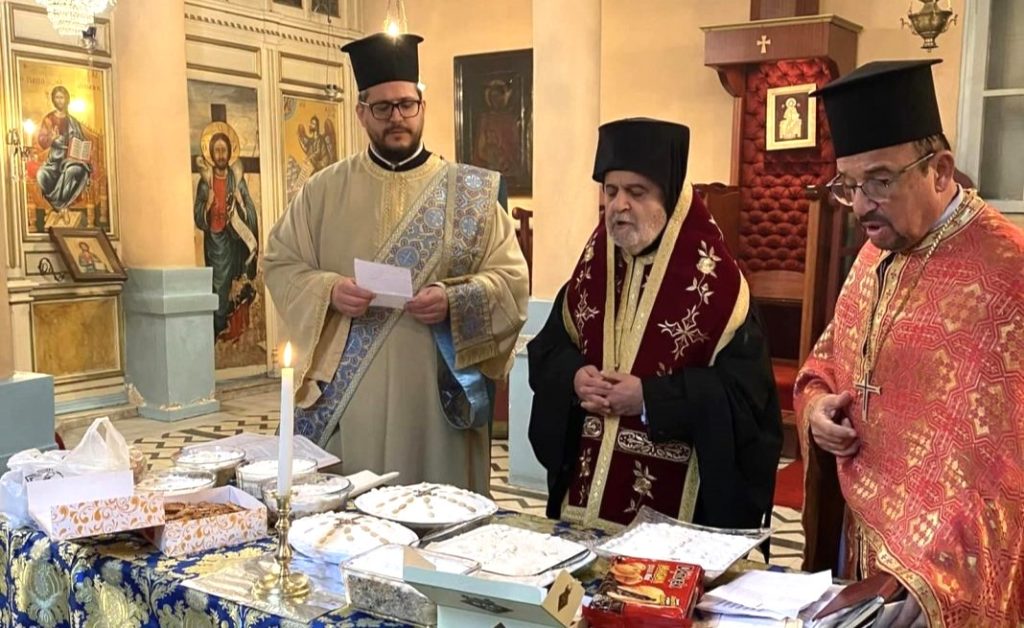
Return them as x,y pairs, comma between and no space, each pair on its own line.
122,581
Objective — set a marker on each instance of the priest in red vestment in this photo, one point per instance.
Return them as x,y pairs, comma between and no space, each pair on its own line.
912,403
652,381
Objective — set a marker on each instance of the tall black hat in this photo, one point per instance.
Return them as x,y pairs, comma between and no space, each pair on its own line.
882,104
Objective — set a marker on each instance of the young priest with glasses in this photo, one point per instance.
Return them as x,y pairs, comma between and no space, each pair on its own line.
399,389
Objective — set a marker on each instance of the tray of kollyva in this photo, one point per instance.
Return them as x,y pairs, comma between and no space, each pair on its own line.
433,511
516,555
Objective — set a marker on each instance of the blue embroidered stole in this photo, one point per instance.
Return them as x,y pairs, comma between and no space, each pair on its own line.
443,232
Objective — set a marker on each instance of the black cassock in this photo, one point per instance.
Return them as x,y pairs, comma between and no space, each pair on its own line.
729,412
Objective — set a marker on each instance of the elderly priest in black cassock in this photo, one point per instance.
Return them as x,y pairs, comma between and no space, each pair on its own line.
652,380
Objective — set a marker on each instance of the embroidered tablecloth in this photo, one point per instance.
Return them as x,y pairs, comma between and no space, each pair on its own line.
121,581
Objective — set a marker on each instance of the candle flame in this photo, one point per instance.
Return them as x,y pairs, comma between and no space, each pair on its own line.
287,361
29,127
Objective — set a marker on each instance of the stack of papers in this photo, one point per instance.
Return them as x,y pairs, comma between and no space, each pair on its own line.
767,595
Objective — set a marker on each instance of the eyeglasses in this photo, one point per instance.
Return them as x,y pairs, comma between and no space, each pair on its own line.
878,190
382,110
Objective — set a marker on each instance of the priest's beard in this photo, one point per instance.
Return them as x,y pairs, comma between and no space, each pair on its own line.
635,231
393,144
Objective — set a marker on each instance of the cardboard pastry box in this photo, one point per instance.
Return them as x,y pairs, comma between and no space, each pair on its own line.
190,536
464,601
91,505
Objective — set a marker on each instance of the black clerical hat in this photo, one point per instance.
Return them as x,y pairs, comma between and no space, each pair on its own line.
381,58
881,104
654,148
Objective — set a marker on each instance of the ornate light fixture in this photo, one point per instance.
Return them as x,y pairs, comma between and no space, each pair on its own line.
930,22
332,92
71,17
395,23
89,41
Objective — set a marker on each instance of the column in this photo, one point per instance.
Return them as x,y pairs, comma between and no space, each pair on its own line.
566,113
168,301
26,399
6,340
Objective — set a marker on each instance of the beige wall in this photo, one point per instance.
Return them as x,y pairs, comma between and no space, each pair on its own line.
566,115
652,64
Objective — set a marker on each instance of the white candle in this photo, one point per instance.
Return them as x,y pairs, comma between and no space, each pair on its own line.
287,430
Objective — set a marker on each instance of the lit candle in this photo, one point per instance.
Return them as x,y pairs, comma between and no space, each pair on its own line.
287,429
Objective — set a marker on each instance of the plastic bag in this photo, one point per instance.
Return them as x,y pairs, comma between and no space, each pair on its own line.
101,449
13,502
25,464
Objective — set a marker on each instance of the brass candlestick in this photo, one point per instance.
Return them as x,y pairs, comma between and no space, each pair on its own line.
280,583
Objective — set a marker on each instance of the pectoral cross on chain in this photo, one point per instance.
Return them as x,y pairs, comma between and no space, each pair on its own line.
866,389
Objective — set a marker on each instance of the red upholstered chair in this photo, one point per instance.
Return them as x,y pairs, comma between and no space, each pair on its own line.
723,201
812,292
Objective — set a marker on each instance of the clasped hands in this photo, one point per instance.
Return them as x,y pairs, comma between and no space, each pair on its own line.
611,393
429,306
832,431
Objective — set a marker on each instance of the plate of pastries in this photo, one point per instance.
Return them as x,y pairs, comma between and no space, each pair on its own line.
334,537
425,505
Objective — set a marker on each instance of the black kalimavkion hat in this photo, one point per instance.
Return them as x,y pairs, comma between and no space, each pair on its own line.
882,104
654,148
381,58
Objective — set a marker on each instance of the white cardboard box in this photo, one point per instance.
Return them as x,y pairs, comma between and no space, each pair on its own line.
467,602
180,538
92,504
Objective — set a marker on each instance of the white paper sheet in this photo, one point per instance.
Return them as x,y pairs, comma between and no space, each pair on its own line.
391,284
767,594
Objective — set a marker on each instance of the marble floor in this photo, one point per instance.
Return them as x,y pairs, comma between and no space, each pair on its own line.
257,410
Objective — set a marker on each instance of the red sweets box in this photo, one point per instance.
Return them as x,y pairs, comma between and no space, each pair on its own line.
642,593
